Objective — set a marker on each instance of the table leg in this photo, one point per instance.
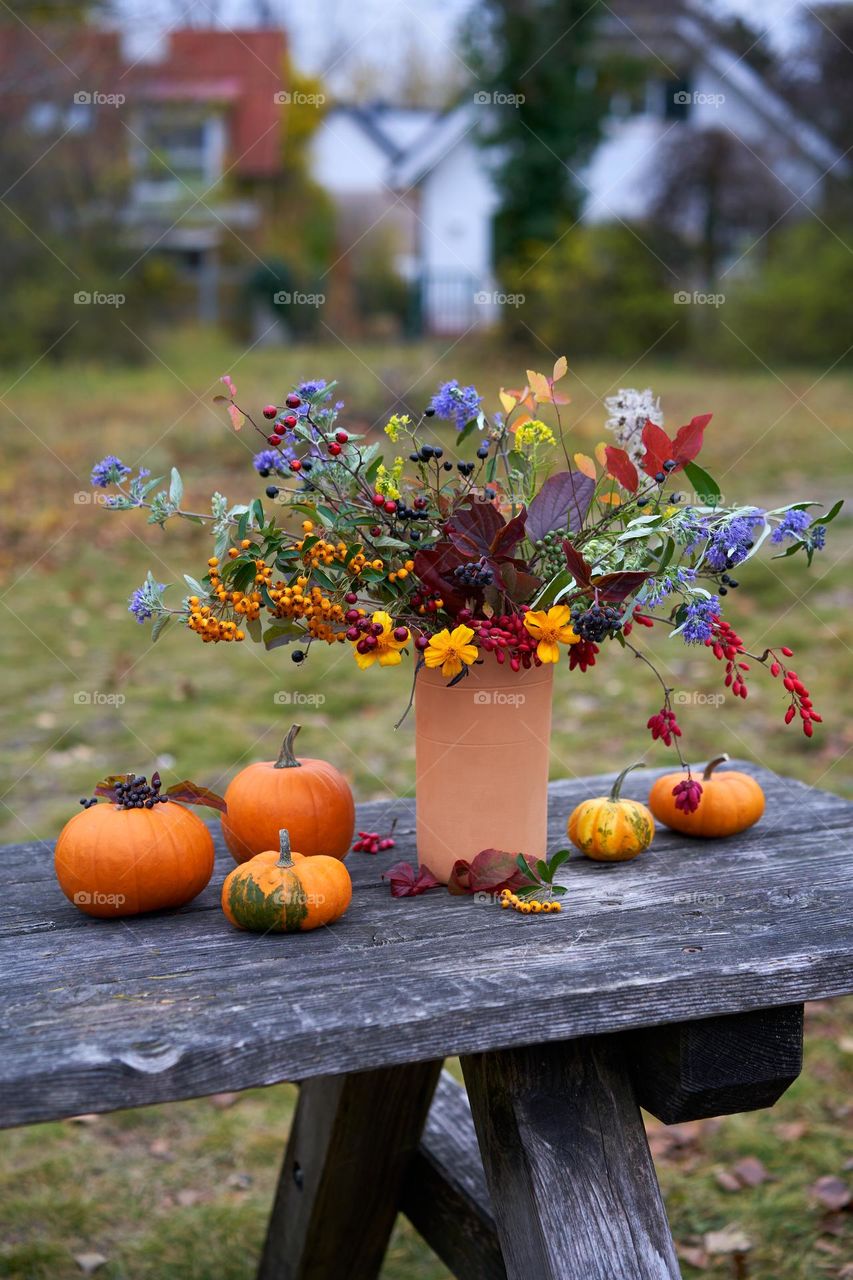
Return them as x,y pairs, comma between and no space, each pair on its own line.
573,1186
339,1189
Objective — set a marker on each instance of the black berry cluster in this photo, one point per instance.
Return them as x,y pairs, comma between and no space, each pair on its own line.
475,574
139,794
597,622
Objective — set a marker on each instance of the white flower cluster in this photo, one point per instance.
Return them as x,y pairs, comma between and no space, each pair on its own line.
628,413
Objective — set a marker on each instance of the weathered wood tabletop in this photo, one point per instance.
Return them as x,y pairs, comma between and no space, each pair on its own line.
99,1014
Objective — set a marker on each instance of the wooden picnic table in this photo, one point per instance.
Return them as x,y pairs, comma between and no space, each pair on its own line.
675,981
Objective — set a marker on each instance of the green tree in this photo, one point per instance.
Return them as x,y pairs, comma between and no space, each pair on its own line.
538,53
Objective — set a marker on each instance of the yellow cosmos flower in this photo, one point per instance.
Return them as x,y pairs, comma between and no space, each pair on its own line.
451,650
387,651
550,629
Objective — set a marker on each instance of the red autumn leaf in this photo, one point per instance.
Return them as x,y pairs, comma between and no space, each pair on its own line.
658,448
473,529
688,440
407,883
621,468
507,538
578,567
618,586
489,872
190,793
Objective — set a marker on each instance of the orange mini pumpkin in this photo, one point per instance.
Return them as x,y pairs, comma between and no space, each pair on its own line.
730,802
309,797
610,829
112,861
284,892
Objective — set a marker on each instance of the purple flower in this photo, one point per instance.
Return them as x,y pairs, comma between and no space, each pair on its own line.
310,389
657,589
699,622
792,525
817,537
140,603
271,461
110,470
459,403
732,542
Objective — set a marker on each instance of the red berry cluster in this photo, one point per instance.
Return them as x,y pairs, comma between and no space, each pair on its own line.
641,621
582,654
801,702
664,726
372,842
727,644
687,794
506,637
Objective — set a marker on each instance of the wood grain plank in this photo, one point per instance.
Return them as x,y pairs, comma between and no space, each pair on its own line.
352,1140
445,1196
106,1014
567,1163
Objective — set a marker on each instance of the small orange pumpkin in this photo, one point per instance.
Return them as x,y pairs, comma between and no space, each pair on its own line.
309,797
730,802
610,829
285,892
115,861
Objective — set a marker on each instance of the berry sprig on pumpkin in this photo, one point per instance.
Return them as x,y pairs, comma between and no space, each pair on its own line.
136,853
525,553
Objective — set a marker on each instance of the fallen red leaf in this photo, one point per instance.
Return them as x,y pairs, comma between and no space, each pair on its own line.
407,883
489,872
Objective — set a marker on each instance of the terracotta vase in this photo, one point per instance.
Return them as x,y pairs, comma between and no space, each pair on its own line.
482,750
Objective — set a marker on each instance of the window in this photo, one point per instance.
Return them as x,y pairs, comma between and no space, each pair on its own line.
180,146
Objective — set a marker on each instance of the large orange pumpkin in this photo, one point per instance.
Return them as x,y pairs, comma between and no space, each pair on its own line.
309,797
280,891
730,802
112,861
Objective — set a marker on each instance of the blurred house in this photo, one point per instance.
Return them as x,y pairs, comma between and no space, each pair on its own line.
204,125
184,148
692,76
421,176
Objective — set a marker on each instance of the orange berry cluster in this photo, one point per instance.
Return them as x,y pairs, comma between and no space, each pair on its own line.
399,574
202,621
527,906
300,602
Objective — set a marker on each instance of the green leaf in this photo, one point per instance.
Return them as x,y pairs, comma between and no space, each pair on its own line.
831,513
195,586
253,626
668,552
242,526
558,859
159,625
176,487
543,870
257,511
704,486
466,431
282,633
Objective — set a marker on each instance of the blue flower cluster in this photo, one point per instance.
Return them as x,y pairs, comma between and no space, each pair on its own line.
271,462
110,470
792,525
699,623
458,403
733,541
657,589
140,603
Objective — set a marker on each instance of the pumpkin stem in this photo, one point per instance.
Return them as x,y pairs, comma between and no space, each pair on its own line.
287,757
617,785
285,859
712,764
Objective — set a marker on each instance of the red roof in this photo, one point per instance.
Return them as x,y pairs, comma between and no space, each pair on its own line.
244,69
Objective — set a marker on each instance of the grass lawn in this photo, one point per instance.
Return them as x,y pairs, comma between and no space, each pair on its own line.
83,693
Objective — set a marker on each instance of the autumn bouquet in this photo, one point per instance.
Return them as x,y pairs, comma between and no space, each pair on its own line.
496,538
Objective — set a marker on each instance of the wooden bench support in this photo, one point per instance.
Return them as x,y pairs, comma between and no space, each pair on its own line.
339,1189
445,1196
716,1066
572,1183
